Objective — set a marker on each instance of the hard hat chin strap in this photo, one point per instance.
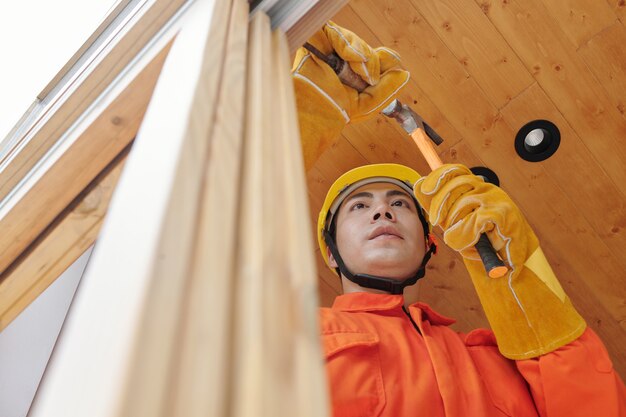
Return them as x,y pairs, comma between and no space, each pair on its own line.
389,285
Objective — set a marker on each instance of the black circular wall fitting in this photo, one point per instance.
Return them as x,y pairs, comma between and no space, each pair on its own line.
487,174
537,140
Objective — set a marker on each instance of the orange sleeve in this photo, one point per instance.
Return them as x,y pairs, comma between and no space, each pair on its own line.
576,380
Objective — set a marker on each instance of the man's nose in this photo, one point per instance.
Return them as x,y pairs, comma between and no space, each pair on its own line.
383,210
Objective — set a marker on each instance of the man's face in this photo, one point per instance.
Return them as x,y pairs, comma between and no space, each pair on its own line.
379,232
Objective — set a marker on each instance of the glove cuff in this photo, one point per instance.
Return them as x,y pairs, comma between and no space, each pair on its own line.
528,310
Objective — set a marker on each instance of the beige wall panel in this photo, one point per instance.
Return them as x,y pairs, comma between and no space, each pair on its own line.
477,44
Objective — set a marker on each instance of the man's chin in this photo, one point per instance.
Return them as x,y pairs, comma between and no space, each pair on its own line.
389,269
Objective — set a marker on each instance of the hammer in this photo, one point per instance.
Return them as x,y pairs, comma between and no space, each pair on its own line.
423,136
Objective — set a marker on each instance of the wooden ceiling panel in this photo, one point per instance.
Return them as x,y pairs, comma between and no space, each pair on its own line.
580,19
479,71
619,7
604,54
562,73
477,44
578,175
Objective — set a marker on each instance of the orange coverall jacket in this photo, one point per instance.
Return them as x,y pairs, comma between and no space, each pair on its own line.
383,360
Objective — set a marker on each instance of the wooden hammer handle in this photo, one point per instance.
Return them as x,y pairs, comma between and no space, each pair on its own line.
493,264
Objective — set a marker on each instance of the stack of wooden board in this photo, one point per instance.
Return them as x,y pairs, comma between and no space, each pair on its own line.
201,295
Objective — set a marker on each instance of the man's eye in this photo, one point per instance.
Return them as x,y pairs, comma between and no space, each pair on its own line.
400,203
358,206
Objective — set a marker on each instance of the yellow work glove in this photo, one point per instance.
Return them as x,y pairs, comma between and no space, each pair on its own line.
325,105
528,310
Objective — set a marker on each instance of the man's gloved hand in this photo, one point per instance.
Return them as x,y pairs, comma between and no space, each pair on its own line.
528,310
325,105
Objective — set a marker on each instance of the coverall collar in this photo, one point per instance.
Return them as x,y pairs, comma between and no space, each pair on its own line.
364,302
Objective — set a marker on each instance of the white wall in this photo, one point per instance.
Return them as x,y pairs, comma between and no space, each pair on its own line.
38,38
26,344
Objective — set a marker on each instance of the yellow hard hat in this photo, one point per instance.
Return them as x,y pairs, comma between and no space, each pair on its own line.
399,175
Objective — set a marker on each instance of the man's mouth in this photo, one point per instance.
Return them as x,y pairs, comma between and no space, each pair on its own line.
385,232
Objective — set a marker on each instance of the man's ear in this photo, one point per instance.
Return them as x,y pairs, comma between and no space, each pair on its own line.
331,259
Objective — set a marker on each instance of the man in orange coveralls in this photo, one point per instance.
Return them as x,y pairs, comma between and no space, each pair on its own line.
387,360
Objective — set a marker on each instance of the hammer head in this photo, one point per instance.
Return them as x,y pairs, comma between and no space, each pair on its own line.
409,120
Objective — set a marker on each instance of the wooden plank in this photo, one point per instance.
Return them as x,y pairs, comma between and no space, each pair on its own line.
477,44
604,55
200,59
596,196
312,21
333,162
117,361
278,371
308,371
64,241
86,150
200,384
61,110
255,237
565,78
580,20
619,8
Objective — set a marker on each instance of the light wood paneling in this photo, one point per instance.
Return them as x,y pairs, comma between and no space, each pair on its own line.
584,184
68,237
200,382
569,73
580,19
276,339
605,55
542,46
478,46
619,7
